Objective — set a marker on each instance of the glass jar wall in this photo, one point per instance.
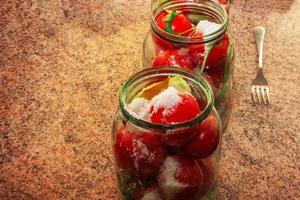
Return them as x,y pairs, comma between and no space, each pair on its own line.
166,154
224,3
193,35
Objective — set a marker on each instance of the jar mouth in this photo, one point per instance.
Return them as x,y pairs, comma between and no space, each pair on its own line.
208,8
158,73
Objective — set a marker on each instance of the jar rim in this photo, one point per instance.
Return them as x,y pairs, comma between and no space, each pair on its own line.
207,6
167,71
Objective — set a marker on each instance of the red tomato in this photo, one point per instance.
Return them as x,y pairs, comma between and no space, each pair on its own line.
218,53
208,167
186,110
180,179
162,43
123,148
148,153
212,85
139,152
174,21
178,58
223,2
216,61
177,138
207,140
197,50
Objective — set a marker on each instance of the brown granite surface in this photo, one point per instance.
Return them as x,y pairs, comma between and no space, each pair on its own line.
62,63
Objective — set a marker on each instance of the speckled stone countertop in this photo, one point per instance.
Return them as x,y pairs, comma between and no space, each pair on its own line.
62,64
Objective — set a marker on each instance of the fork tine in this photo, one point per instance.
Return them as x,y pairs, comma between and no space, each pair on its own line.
263,94
258,91
253,94
268,94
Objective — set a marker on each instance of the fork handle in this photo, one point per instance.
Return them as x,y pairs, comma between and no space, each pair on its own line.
259,34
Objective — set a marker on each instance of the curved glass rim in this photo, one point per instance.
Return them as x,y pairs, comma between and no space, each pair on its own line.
168,71
184,39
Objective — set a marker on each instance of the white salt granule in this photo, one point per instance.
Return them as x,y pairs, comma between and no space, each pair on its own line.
170,184
167,99
182,52
206,27
173,61
139,107
141,151
152,195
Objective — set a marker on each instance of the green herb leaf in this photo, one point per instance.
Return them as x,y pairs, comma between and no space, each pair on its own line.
169,19
128,184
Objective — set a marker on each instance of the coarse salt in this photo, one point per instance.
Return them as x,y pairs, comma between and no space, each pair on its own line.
167,100
170,184
206,27
139,107
152,195
141,151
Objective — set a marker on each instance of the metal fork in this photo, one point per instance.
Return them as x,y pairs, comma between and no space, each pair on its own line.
260,89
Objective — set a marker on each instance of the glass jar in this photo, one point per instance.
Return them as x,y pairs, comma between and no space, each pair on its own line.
166,161
224,3
210,53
